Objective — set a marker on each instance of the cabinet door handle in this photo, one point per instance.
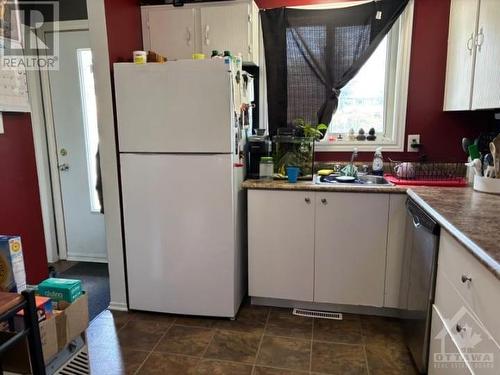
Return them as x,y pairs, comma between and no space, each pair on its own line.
207,32
324,201
307,200
188,36
480,39
470,43
466,278
460,328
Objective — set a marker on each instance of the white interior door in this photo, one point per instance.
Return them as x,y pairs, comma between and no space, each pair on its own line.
225,28
74,117
172,32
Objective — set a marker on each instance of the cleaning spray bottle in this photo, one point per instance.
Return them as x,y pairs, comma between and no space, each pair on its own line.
378,162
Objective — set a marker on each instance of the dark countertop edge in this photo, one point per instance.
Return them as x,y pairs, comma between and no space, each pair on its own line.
475,249
311,186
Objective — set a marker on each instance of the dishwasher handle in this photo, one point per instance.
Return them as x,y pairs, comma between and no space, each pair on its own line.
421,219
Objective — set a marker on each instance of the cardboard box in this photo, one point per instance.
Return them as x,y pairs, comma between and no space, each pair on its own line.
12,273
71,320
17,360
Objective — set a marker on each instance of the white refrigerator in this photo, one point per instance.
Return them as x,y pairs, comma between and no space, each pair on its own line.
181,187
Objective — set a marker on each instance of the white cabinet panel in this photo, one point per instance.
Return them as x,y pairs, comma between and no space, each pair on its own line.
461,54
281,244
172,32
441,344
395,246
226,27
487,72
350,248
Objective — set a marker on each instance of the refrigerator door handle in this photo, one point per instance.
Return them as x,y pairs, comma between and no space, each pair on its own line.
207,32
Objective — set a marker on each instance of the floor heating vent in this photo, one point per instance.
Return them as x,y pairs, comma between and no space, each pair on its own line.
317,314
78,365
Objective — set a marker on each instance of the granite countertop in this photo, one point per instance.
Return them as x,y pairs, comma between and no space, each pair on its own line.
473,218
311,186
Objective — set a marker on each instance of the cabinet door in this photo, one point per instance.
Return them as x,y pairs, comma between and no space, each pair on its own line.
444,355
172,32
461,54
226,28
487,71
281,244
350,248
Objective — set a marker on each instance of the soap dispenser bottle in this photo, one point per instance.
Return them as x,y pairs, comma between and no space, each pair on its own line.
378,162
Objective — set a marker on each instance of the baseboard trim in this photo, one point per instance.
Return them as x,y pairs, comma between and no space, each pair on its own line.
82,258
348,309
118,306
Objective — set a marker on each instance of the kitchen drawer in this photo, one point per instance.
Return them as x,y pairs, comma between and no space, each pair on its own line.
469,333
482,293
444,357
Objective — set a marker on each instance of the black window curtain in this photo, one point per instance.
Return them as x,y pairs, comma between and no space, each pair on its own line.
312,54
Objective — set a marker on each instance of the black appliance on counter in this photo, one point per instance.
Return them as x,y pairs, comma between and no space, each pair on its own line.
257,146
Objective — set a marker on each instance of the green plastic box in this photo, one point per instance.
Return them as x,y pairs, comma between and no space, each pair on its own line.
60,289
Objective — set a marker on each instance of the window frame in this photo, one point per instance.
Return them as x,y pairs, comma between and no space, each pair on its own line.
396,92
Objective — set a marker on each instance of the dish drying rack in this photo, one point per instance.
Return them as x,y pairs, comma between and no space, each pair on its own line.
421,172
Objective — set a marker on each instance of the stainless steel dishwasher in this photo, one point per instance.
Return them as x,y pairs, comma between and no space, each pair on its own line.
418,282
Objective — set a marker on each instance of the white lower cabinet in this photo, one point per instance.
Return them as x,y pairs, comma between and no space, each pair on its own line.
467,303
444,356
323,247
281,244
350,248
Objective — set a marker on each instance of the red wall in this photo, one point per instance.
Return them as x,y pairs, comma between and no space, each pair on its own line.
440,132
19,197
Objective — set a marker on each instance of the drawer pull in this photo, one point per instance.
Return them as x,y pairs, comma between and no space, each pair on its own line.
308,200
324,201
466,279
459,328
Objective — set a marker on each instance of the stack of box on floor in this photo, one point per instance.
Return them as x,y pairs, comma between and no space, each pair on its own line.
62,309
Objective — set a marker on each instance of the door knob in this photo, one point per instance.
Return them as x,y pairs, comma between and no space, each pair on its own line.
63,167
324,201
307,200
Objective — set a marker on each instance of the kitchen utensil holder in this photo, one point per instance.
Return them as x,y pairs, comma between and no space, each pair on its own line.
487,185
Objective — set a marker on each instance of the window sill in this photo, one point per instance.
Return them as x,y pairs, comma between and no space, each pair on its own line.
343,146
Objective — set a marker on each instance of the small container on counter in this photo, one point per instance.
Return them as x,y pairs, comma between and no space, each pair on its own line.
266,168
140,57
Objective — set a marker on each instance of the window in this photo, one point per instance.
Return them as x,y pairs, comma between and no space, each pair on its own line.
89,109
376,96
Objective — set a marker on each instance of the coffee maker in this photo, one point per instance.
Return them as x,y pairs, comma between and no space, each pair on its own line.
258,145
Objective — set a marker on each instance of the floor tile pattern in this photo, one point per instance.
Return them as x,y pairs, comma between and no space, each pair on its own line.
260,341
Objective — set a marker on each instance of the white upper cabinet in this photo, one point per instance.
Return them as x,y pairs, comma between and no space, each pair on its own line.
486,93
172,32
461,54
177,33
473,64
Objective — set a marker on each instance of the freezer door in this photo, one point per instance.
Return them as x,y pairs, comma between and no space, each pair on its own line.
178,107
179,233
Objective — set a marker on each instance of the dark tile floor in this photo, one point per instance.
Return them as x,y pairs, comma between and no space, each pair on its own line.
261,341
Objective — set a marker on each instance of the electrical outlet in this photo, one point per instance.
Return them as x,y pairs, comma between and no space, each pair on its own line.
413,138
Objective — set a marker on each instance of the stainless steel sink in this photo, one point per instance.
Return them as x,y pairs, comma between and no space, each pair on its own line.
373,180
367,180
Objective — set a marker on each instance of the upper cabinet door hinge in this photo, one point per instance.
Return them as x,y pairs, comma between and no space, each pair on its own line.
250,18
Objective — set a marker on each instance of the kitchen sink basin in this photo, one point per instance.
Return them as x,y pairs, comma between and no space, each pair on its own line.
367,180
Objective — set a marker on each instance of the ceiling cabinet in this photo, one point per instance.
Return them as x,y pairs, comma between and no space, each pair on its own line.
178,32
473,64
